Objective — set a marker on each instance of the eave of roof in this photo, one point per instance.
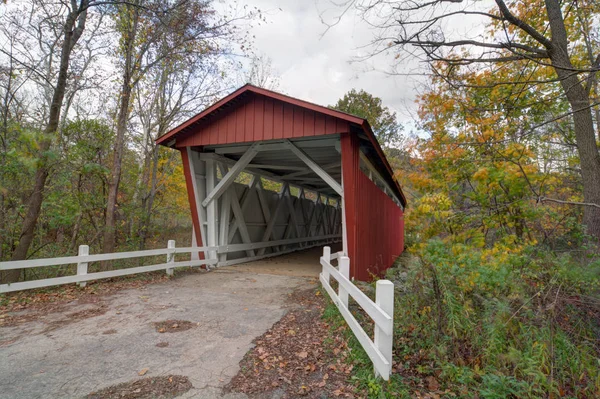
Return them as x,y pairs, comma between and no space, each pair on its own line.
363,123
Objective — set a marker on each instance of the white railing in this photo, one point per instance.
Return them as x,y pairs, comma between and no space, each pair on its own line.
381,311
83,258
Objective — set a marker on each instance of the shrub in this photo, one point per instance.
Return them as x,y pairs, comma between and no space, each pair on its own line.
506,321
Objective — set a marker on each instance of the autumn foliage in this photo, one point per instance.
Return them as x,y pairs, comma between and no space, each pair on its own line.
499,293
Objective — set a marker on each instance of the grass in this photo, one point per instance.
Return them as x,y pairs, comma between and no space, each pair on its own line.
362,376
473,323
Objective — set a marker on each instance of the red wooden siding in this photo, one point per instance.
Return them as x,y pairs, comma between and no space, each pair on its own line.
374,223
379,230
262,118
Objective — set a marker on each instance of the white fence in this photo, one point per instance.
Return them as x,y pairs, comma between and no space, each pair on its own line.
381,311
84,258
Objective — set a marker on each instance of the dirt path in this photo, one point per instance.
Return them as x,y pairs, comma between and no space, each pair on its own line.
206,323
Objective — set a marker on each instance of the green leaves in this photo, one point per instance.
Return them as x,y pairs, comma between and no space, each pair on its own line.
383,120
511,326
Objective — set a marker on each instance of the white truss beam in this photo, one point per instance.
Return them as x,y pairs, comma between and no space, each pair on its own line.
224,223
239,216
260,172
211,209
316,168
197,173
277,146
271,223
308,171
235,170
244,203
231,219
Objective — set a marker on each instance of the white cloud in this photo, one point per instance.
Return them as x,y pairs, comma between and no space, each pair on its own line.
318,67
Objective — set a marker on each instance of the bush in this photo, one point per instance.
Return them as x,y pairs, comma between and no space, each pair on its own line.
508,321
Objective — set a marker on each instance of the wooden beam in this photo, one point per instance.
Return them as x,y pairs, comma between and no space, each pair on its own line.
198,178
293,220
271,223
244,202
314,243
313,215
307,171
276,167
316,168
239,216
255,172
305,179
224,222
232,174
277,145
264,206
211,209
267,244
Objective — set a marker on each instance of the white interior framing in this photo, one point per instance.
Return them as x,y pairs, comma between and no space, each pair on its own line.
245,220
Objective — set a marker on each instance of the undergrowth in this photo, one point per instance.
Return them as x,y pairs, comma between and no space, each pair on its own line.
515,322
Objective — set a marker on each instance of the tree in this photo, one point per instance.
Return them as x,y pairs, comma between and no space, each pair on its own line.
150,33
547,34
71,30
43,41
174,90
383,121
261,73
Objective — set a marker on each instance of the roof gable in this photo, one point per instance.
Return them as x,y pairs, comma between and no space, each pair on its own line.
249,103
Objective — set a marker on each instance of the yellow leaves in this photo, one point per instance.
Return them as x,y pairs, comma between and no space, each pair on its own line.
421,181
436,205
425,208
481,175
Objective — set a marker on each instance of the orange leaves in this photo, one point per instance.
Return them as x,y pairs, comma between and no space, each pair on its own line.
481,175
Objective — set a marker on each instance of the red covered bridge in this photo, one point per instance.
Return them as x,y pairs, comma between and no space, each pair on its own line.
332,181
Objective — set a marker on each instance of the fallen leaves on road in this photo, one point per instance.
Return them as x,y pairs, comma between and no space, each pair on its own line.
163,387
29,305
143,371
171,326
294,359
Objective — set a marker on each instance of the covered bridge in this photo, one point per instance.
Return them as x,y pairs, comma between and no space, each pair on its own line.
311,176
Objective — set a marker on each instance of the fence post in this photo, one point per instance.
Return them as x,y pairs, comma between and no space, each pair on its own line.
344,266
170,256
82,267
384,297
327,258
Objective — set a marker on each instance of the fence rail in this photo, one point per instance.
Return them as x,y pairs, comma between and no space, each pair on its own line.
381,311
83,259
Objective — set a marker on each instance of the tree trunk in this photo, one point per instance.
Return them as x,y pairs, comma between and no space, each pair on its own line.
115,173
34,203
579,99
147,215
123,116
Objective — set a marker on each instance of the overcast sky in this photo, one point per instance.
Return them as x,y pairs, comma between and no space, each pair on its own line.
318,67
